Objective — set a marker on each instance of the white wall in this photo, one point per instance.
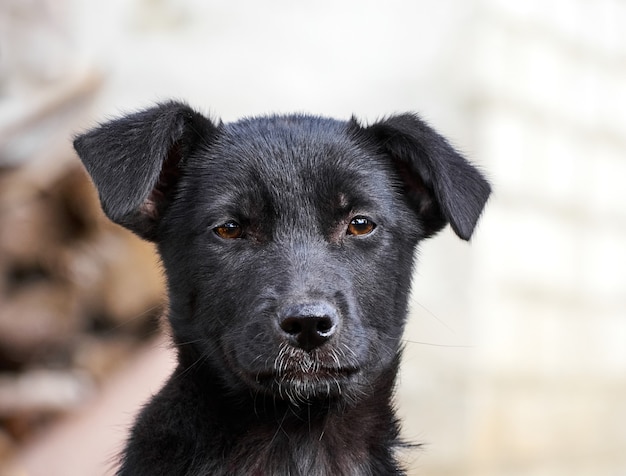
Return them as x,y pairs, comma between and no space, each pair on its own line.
543,388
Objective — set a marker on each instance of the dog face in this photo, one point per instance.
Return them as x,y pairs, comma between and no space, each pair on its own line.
287,240
296,257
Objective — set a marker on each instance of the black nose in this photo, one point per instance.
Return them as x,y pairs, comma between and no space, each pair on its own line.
309,325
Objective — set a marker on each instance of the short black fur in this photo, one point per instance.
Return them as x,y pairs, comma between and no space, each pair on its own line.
288,245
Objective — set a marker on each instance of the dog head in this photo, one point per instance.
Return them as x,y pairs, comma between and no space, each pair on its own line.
287,240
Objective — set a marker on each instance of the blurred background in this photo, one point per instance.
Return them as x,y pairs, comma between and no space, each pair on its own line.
515,358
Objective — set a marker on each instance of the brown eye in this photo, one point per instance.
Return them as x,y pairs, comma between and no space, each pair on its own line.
360,226
229,230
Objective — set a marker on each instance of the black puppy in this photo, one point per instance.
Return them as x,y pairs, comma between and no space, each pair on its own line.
288,245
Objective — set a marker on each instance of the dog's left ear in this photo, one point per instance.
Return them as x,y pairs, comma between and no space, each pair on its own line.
135,161
441,185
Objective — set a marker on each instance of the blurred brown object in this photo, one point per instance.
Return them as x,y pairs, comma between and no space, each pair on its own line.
77,294
66,271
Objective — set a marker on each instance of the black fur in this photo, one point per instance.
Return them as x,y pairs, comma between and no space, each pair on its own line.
288,331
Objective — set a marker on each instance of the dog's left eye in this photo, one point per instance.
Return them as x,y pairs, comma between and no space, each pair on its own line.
360,225
229,230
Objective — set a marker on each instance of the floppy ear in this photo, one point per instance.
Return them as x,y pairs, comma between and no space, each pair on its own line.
135,161
441,185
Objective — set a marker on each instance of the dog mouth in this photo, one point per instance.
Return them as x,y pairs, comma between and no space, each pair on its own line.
304,386
301,376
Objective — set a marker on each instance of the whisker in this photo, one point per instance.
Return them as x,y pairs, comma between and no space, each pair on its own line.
433,315
453,346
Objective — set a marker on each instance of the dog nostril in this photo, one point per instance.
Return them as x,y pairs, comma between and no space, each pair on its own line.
291,326
324,325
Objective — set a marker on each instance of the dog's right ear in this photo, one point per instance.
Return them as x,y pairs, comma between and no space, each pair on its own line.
136,161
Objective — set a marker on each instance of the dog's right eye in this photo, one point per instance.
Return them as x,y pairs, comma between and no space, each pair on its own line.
229,230
360,225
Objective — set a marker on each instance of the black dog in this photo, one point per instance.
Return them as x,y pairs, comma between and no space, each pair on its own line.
288,246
